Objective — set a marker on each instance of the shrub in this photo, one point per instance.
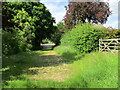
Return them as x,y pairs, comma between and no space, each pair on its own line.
14,42
112,33
56,36
9,43
69,53
85,37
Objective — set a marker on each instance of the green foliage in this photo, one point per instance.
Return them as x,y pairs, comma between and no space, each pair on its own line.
112,33
45,41
30,21
84,38
13,43
68,52
9,43
61,26
19,39
56,36
24,24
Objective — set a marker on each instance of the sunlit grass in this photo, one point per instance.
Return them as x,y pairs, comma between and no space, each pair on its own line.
47,69
57,73
94,70
35,65
97,70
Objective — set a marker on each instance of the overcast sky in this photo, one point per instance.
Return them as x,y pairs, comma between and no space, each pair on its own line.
57,9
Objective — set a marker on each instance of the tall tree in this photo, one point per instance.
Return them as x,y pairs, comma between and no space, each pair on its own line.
56,36
39,17
93,12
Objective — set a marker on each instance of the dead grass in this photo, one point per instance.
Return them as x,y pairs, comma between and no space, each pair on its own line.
57,73
36,65
49,66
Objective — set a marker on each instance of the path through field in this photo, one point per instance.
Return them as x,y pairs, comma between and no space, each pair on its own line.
37,65
53,67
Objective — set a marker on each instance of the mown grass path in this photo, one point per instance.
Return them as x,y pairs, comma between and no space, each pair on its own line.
36,65
53,68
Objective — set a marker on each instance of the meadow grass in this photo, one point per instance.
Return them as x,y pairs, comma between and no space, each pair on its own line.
94,70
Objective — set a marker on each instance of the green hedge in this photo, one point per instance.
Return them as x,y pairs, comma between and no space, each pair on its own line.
85,37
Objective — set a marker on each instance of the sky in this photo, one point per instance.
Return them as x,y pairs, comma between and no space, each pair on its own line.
57,9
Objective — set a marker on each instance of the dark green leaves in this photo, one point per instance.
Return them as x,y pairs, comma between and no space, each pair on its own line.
30,21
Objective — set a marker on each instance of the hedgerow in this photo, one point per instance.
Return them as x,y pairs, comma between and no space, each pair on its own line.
85,37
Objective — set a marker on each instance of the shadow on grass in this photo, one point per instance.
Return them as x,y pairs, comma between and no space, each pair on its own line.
16,65
68,55
72,56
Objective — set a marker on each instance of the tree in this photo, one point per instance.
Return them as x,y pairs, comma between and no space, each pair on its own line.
17,37
61,26
93,12
35,18
25,27
56,36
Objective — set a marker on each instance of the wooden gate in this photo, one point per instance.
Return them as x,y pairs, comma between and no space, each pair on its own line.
109,45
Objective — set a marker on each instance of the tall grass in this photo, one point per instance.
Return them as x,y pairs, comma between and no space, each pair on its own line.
94,70
69,53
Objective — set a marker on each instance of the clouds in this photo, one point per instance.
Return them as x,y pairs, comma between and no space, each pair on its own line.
113,19
57,8
112,23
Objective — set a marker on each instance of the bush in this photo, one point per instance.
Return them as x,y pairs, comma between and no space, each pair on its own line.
9,43
13,43
112,33
84,38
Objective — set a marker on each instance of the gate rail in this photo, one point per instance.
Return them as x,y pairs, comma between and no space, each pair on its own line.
109,45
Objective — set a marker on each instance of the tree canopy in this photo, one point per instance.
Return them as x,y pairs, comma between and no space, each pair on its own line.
93,12
31,19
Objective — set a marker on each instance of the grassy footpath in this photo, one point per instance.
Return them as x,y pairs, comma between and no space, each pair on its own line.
34,66
47,69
